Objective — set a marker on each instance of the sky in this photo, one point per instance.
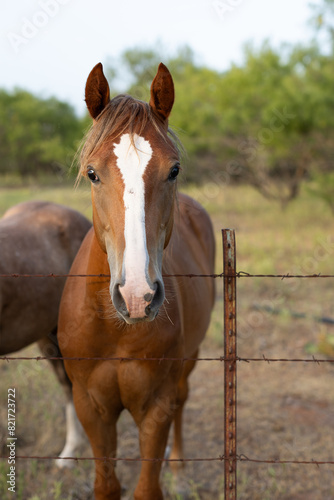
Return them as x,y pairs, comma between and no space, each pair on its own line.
49,46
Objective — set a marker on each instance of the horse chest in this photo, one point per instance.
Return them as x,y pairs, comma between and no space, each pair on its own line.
130,381
114,385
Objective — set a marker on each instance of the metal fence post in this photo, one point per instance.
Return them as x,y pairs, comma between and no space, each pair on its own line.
230,365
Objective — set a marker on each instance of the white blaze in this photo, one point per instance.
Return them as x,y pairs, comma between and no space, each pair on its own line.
132,160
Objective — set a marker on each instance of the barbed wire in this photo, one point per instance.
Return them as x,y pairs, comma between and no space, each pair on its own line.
244,458
313,359
243,274
239,274
120,459
108,358
101,275
221,359
220,458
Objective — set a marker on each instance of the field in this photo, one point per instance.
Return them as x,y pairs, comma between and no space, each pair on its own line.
285,410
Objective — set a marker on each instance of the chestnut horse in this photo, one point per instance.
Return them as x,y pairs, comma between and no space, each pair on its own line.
143,230
39,238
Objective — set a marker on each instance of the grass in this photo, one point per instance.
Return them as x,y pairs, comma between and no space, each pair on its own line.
268,240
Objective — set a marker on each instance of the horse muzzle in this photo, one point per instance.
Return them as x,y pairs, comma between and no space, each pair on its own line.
136,304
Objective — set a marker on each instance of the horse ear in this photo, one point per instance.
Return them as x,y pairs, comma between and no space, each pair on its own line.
162,92
97,93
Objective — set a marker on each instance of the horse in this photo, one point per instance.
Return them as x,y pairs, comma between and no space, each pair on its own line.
39,238
132,316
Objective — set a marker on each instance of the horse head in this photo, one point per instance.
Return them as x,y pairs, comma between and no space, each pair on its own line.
132,162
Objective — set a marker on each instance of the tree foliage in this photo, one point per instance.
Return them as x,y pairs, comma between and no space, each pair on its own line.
38,136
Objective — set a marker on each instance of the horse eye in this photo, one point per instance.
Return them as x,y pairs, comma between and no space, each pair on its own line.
92,175
174,172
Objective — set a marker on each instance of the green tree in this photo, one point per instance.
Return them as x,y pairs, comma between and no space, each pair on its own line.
272,119
38,136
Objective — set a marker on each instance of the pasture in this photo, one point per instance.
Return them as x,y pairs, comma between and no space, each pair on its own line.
285,410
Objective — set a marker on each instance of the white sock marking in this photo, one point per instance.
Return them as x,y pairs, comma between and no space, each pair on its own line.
74,436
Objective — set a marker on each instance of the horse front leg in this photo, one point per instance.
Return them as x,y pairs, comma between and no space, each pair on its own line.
101,432
153,435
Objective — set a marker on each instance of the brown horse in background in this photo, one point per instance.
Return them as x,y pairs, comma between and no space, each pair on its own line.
143,230
39,238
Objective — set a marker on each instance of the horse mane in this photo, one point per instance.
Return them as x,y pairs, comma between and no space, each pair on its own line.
122,113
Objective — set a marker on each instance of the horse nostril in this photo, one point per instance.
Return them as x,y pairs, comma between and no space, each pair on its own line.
158,296
147,310
148,297
119,302
154,299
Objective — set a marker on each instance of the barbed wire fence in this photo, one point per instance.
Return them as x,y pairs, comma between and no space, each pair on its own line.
230,359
